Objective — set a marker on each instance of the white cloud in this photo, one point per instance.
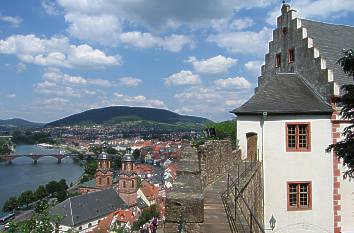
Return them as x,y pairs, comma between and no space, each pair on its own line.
50,7
104,29
242,23
243,42
55,101
315,9
20,67
185,77
59,84
56,51
139,100
254,67
130,81
173,43
13,20
162,14
213,65
11,96
233,83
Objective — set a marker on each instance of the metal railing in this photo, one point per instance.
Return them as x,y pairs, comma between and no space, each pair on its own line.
241,214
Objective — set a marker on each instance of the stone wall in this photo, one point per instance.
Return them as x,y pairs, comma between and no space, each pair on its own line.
185,202
217,158
196,170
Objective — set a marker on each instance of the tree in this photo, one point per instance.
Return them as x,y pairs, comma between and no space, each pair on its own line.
136,154
52,187
62,185
26,198
344,149
41,192
111,151
147,214
10,205
61,195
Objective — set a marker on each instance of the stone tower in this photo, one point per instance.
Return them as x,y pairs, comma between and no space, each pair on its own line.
128,179
104,173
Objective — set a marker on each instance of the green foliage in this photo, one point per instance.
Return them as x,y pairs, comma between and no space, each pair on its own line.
40,221
26,198
95,149
27,137
344,148
41,192
136,154
147,214
119,229
223,130
5,146
111,151
10,205
116,162
90,168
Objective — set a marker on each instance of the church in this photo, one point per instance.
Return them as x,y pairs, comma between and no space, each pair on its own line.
290,121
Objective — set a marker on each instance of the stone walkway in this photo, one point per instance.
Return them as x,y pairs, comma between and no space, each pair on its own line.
215,220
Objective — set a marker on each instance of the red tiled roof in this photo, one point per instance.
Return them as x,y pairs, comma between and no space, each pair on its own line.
104,224
124,216
150,191
129,198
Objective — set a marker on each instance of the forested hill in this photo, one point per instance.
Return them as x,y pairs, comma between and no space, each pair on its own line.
122,114
18,123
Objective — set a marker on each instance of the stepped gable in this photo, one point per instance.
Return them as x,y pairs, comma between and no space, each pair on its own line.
331,39
284,94
84,208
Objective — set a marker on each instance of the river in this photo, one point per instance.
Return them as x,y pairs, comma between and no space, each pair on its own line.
23,175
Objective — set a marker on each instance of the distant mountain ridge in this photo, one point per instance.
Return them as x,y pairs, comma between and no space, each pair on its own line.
19,123
121,114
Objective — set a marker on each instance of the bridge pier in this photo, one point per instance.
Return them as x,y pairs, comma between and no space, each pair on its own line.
59,160
9,162
35,161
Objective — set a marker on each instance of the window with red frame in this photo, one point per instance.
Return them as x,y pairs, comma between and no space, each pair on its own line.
299,195
298,137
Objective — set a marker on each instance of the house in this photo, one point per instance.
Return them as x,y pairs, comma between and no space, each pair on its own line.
84,213
148,193
123,219
290,121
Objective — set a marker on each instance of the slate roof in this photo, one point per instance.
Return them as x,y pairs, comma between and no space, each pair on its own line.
81,209
284,94
331,39
89,184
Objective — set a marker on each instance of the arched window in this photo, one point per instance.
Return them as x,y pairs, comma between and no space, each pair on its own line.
132,183
107,180
124,185
100,180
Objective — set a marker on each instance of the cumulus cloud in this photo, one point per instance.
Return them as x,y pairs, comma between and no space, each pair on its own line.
54,82
56,51
130,81
242,23
155,14
50,7
209,101
11,96
13,20
254,67
139,100
213,65
243,42
173,43
104,29
318,9
184,77
233,83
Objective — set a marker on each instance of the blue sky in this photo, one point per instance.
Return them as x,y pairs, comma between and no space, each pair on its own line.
194,57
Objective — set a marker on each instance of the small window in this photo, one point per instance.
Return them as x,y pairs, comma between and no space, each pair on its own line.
99,180
298,137
278,60
107,180
90,225
132,183
291,55
285,30
124,185
299,195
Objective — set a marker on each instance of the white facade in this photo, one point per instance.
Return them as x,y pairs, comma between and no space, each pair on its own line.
281,167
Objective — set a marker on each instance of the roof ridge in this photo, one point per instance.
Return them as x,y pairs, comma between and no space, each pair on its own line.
71,211
329,24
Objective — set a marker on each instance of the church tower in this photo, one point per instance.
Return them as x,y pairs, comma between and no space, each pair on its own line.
104,173
128,179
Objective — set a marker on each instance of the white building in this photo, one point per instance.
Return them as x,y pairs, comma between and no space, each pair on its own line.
291,120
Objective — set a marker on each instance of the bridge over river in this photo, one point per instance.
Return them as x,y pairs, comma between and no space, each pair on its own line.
36,157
